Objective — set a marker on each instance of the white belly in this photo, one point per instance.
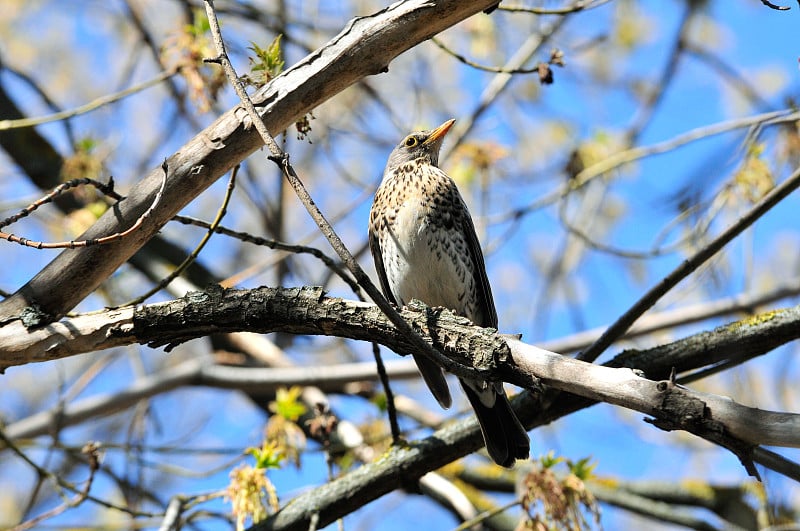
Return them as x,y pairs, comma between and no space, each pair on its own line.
425,262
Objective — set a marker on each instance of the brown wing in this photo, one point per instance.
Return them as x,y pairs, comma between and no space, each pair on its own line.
377,257
486,300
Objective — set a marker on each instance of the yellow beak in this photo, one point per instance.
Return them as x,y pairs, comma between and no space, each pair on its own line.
440,131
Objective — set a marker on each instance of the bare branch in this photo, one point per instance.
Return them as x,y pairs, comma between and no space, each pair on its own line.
74,244
205,373
621,325
694,313
91,106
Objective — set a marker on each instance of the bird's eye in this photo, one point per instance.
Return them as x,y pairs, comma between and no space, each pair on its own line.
411,141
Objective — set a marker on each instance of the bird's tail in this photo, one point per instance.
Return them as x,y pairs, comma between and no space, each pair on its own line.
434,378
505,438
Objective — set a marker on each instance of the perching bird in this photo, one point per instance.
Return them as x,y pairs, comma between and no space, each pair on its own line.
424,245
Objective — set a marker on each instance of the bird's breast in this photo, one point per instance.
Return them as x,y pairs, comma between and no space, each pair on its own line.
425,258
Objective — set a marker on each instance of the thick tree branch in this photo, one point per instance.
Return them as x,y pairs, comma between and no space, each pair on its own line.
307,311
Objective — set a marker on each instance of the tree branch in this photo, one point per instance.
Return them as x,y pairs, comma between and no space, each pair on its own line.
307,311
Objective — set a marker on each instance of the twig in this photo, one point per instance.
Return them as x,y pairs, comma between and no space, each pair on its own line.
735,80
679,316
61,483
616,330
196,252
105,188
493,69
631,155
90,450
391,410
91,106
72,244
654,96
274,244
581,5
253,379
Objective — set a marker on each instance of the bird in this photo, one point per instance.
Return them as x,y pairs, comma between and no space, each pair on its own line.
423,242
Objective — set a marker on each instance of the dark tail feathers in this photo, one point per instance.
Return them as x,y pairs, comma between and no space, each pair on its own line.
505,438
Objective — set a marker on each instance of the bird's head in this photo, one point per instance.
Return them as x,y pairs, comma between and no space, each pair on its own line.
420,144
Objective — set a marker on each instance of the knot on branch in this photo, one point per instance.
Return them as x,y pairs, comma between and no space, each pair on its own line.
459,338
678,411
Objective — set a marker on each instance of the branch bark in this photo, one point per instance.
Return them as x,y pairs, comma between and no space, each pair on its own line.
308,311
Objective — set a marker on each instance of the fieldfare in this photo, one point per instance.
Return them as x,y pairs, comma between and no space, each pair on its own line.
424,245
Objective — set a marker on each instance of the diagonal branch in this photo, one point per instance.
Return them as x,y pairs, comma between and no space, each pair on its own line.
621,325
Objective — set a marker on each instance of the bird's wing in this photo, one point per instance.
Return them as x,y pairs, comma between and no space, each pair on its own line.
486,302
377,257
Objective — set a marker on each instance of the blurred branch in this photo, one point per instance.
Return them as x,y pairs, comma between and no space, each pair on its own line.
136,20
93,457
73,244
64,485
657,90
683,315
500,83
252,380
736,81
88,107
631,155
493,69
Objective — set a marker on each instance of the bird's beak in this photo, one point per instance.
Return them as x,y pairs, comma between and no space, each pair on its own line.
439,132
